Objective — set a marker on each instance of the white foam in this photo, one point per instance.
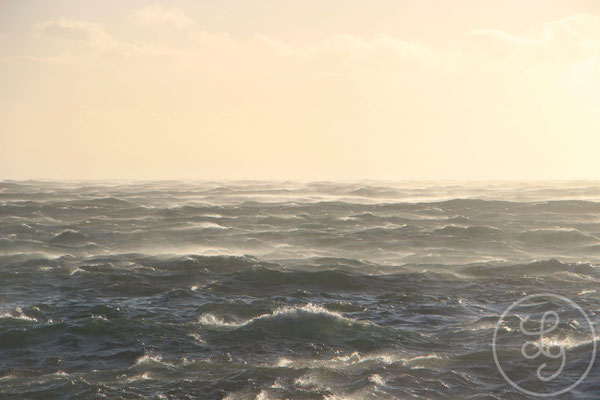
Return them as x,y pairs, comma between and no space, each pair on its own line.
347,360
210,319
307,380
203,225
277,384
377,380
420,358
197,338
262,396
76,270
18,314
145,359
568,342
584,292
142,377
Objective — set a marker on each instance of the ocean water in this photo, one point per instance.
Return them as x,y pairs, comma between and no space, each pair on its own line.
286,290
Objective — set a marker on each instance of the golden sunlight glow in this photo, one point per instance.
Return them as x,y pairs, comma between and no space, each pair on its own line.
300,89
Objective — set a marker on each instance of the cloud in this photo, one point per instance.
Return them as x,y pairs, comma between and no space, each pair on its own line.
569,38
354,44
585,26
157,14
92,33
101,48
385,96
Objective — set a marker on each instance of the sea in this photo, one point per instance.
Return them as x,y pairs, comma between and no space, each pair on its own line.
299,290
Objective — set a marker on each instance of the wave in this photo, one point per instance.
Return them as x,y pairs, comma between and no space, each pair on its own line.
284,315
459,219
472,232
369,360
307,321
18,314
272,279
536,268
104,202
283,290
70,238
552,237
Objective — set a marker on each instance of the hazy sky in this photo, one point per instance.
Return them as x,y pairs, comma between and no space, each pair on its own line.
306,89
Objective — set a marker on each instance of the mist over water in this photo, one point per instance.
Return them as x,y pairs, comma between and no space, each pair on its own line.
284,290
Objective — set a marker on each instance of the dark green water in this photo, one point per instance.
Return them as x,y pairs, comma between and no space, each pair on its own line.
261,290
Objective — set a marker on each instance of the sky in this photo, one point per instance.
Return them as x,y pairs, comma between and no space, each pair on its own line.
300,90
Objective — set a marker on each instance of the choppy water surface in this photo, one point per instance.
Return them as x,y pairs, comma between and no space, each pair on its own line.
264,290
